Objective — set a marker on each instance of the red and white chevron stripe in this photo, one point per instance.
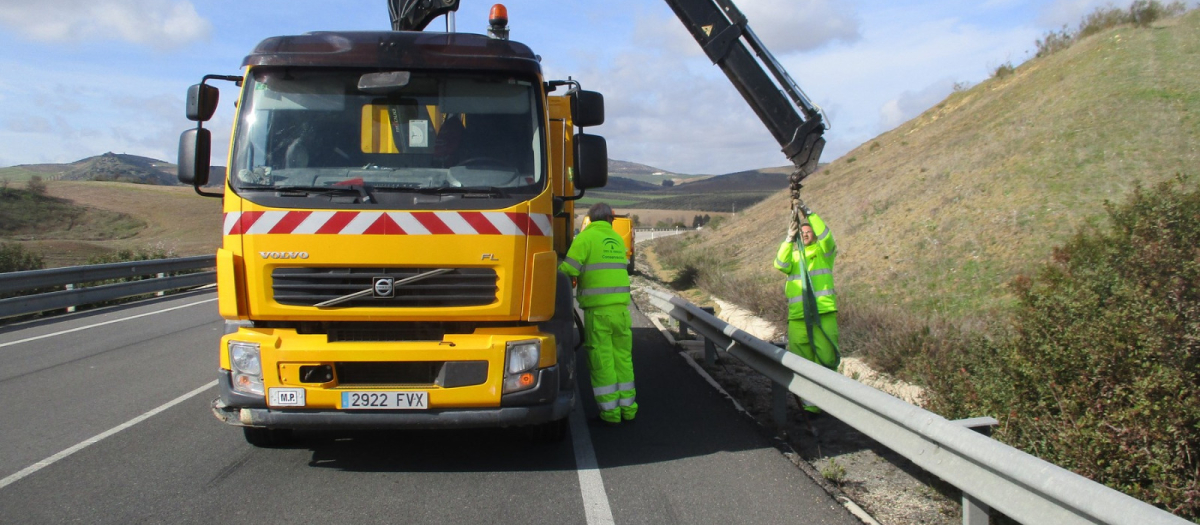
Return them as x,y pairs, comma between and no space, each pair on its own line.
386,223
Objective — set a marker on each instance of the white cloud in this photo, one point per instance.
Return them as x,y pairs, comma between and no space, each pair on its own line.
801,25
157,24
668,106
904,61
88,110
679,115
912,103
783,26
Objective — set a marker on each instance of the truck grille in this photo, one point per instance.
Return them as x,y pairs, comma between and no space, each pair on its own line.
449,374
309,286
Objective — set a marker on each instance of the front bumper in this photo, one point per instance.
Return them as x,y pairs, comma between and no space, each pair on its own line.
542,404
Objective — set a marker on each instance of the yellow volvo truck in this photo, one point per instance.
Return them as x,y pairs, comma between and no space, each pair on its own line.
394,213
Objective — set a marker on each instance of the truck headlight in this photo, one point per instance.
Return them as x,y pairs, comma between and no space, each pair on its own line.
246,367
520,363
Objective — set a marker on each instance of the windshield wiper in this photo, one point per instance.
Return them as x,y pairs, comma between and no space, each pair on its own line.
465,191
469,191
304,191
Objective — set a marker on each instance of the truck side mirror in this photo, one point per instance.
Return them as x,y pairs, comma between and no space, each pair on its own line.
591,162
202,102
195,146
587,108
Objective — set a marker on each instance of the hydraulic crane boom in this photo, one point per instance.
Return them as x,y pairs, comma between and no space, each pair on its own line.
797,124
414,15
721,30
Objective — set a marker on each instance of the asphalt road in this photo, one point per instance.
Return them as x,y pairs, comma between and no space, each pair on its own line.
104,418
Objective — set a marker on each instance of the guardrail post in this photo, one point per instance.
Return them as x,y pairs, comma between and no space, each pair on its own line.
779,395
710,352
710,348
975,512
70,286
160,293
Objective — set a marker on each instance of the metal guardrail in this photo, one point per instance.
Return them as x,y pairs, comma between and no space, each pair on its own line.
988,472
72,277
649,234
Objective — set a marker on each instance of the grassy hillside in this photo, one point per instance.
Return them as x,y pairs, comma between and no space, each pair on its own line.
942,212
78,220
26,215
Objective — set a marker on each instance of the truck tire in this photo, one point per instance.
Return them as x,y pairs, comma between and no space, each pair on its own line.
267,437
562,325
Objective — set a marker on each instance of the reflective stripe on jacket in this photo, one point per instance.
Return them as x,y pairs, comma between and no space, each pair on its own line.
597,258
820,257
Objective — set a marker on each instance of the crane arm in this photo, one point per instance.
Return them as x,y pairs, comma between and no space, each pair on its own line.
797,124
414,15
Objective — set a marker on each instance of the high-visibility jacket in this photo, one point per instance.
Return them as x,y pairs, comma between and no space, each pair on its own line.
819,257
597,258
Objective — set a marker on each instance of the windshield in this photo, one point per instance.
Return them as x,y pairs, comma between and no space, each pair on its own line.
316,134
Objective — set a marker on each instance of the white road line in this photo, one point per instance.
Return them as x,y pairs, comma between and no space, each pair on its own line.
98,437
123,319
591,485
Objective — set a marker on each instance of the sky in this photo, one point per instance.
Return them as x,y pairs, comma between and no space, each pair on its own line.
83,77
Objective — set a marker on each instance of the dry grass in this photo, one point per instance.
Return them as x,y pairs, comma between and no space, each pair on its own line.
177,220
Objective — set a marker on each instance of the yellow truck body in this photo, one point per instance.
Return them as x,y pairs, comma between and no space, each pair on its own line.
623,225
378,268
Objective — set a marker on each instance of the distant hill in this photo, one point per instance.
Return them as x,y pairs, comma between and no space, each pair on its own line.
622,184
115,167
721,193
110,167
768,179
643,173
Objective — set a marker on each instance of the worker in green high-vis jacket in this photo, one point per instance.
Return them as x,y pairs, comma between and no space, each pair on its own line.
597,259
811,260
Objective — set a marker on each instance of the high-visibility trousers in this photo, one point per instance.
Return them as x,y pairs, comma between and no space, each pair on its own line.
610,357
826,336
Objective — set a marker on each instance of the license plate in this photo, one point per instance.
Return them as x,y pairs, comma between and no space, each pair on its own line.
407,400
286,397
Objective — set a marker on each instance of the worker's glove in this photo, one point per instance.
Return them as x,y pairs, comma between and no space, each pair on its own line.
793,232
804,208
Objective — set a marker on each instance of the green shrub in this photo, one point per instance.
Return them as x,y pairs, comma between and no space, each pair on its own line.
1100,374
1053,42
126,255
36,186
1102,19
1142,13
14,258
1004,70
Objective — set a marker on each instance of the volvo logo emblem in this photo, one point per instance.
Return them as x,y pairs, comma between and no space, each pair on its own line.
283,255
383,287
